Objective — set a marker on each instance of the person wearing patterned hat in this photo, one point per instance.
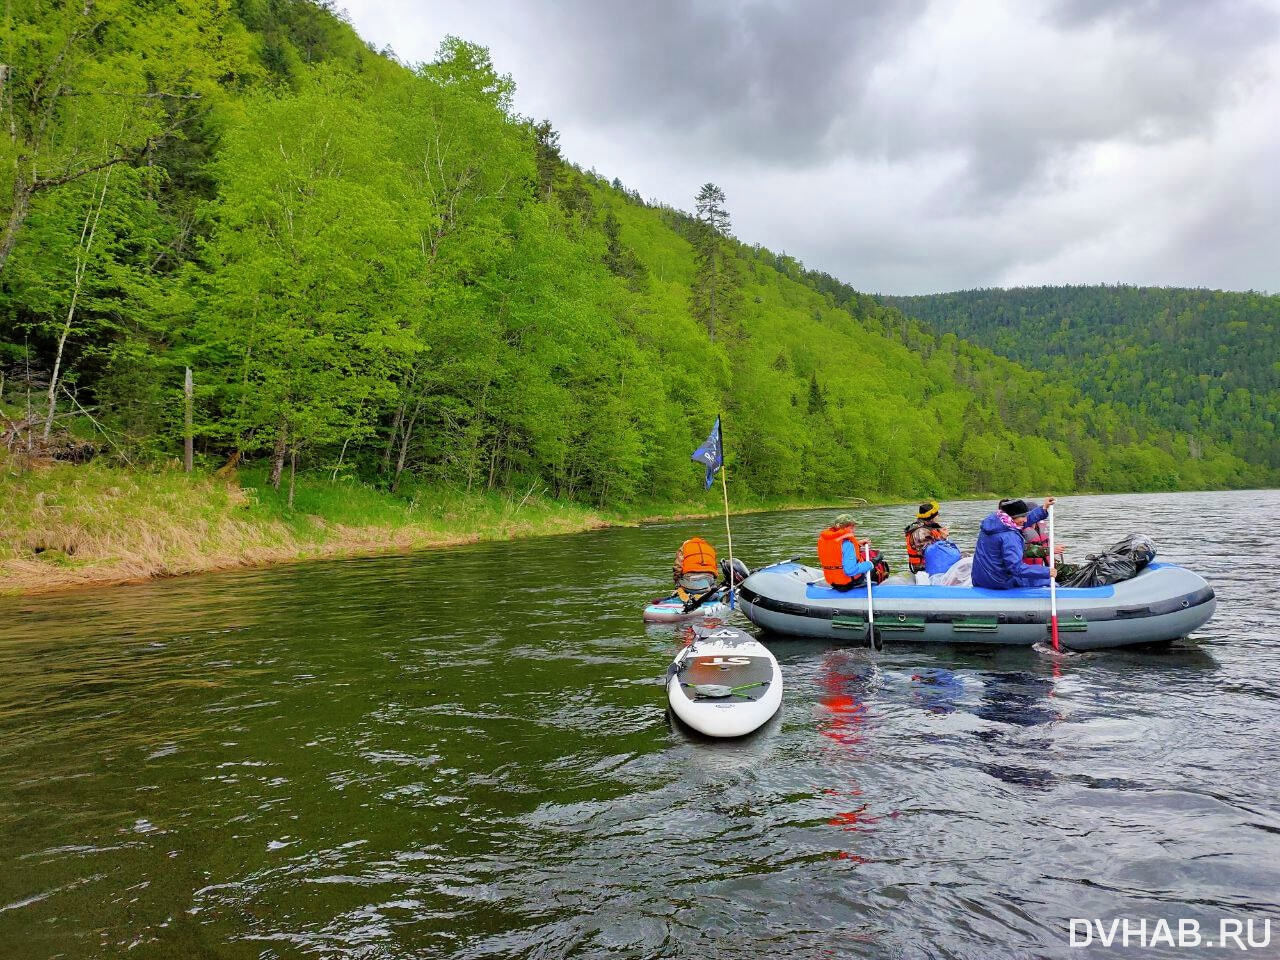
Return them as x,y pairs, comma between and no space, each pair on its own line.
923,531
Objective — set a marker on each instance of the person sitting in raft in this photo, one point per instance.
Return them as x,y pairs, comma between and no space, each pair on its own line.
923,531
997,558
844,557
1036,548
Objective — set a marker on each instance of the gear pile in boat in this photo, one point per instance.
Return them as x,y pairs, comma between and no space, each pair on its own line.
1118,562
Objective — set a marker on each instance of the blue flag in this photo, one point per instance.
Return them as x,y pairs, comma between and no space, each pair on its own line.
710,454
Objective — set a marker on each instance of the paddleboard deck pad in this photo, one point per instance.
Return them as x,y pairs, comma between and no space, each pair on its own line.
724,683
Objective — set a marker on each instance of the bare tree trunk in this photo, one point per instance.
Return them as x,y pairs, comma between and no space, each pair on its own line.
341,455
21,205
407,435
89,229
493,463
27,356
293,470
188,432
277,455
391,440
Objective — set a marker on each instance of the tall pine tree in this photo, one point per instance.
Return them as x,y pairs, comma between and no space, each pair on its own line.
715,282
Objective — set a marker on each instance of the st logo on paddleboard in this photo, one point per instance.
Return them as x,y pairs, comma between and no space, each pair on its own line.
728,661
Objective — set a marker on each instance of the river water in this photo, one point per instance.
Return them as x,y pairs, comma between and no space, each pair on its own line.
466,754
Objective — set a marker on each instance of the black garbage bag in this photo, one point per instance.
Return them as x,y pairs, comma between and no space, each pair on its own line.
1120,561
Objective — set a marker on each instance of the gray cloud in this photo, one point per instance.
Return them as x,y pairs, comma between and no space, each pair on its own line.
918,146
768,80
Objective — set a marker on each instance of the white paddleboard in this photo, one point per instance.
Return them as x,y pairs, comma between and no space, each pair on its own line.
725,683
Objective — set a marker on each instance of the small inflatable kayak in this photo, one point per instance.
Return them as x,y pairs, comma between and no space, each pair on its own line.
1162,602
671,610
725,683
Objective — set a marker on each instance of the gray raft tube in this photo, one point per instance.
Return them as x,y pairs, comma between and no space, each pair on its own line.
1162,603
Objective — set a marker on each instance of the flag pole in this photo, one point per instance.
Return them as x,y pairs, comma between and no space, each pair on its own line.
724,485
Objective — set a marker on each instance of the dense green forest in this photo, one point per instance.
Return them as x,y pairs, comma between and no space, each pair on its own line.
380,271
1205,363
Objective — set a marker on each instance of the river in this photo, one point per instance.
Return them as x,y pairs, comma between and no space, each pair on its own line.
466,754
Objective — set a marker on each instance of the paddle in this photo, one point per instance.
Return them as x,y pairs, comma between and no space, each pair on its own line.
871,613
1053,586
698,599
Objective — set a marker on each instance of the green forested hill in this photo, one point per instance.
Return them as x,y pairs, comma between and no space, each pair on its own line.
382,272
1203,362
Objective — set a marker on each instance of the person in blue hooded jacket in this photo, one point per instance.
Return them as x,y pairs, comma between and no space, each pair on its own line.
997,558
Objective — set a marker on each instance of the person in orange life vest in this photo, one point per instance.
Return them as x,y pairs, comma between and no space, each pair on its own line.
695,572
842,555
923,532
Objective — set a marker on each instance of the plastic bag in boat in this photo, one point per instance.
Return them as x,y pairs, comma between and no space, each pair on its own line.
940,556
960,574
1118,562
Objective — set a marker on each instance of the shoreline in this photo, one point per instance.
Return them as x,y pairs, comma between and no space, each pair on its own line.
83,528
69,528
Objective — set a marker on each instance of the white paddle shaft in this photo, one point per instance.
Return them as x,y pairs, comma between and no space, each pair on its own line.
1053,585
871,613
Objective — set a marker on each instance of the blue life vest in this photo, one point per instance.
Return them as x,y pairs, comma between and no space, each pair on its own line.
940,556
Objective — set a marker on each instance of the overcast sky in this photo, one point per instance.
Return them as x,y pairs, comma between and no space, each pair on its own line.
914,146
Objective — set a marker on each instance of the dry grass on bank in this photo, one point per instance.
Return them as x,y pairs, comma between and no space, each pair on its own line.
66,526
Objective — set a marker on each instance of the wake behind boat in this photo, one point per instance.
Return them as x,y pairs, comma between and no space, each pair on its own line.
1163,602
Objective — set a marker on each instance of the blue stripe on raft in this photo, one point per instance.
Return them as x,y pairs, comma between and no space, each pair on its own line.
896,591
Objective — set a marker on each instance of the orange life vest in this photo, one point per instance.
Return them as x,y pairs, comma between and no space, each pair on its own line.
830,554
695,556
915,557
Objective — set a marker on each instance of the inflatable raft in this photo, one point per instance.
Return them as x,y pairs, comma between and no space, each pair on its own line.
1163,602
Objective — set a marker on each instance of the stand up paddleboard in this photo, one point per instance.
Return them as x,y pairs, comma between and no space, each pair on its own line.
725,683
671,610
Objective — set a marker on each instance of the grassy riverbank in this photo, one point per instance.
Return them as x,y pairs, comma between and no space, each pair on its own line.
68,526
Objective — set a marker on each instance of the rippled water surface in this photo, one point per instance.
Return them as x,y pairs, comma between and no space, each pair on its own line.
467,754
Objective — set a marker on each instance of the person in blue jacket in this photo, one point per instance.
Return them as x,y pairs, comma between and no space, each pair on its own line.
997,558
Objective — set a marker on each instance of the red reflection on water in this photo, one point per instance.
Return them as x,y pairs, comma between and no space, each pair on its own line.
844,724
853,819
846,713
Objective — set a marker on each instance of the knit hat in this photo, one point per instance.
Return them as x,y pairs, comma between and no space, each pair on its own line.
844,520
1015,507
928,510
